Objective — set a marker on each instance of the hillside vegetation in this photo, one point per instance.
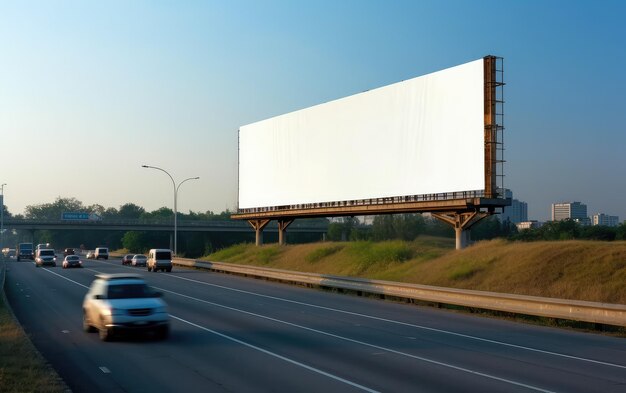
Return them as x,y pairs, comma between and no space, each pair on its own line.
575,269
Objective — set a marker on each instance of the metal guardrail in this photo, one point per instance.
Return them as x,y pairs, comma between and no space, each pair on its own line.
603,313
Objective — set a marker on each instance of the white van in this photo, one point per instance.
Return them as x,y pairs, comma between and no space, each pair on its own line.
101,252
159,259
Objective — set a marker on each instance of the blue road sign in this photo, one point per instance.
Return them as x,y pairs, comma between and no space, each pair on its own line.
75,216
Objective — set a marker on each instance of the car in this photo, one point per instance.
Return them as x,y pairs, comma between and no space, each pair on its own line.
45,257
90,255
139,260
101,252
8,252
69,251
159,259
126,259
72,261
122,302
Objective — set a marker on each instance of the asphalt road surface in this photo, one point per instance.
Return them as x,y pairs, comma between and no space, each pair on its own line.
234,334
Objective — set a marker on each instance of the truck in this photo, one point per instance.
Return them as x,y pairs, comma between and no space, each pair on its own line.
24,251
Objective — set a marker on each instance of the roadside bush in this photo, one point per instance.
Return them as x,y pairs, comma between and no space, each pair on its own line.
369,253
268,253
230,252
322,253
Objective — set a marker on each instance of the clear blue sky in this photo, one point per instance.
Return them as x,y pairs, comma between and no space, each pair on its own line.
90,90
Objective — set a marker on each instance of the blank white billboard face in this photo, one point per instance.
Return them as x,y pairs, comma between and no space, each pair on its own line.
420,136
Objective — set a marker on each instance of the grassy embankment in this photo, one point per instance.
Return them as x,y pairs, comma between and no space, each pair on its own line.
577,269
22,369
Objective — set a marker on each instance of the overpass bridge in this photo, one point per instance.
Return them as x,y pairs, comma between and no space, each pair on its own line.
151,225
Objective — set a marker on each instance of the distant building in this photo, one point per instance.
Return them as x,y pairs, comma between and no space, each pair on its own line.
528,225
570,210
517,212
604,219
583,221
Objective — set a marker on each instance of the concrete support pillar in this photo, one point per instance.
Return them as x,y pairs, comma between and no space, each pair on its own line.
258,226
460,238
462,222
282,230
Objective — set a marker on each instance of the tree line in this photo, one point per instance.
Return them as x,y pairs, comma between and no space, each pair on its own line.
409,226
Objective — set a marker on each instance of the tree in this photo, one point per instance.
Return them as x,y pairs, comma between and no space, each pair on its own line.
398,226
96,209
434,227
7,213
160,213
53,211
341,231
599,232
620,233
560,230
131,211
110,212
491,227
135,241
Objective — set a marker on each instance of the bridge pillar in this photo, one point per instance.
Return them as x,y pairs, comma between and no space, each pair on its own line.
462,222
258,226
283,223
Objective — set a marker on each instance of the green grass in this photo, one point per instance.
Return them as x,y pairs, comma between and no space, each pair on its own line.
267,254
464,271
230,252
378,255
22,369
466,268
574,269
323,252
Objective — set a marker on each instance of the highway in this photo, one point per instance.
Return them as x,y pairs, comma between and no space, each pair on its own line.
235,334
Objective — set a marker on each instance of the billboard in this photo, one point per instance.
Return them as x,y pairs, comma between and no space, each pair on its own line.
421,136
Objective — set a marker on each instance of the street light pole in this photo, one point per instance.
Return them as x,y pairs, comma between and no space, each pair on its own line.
175,201
2,216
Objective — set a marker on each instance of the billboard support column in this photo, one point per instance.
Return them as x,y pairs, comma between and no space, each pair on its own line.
462,222
258,226
494,117
490,148
283,223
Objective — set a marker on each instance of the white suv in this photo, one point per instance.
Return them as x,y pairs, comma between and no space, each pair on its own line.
45,257
124,302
